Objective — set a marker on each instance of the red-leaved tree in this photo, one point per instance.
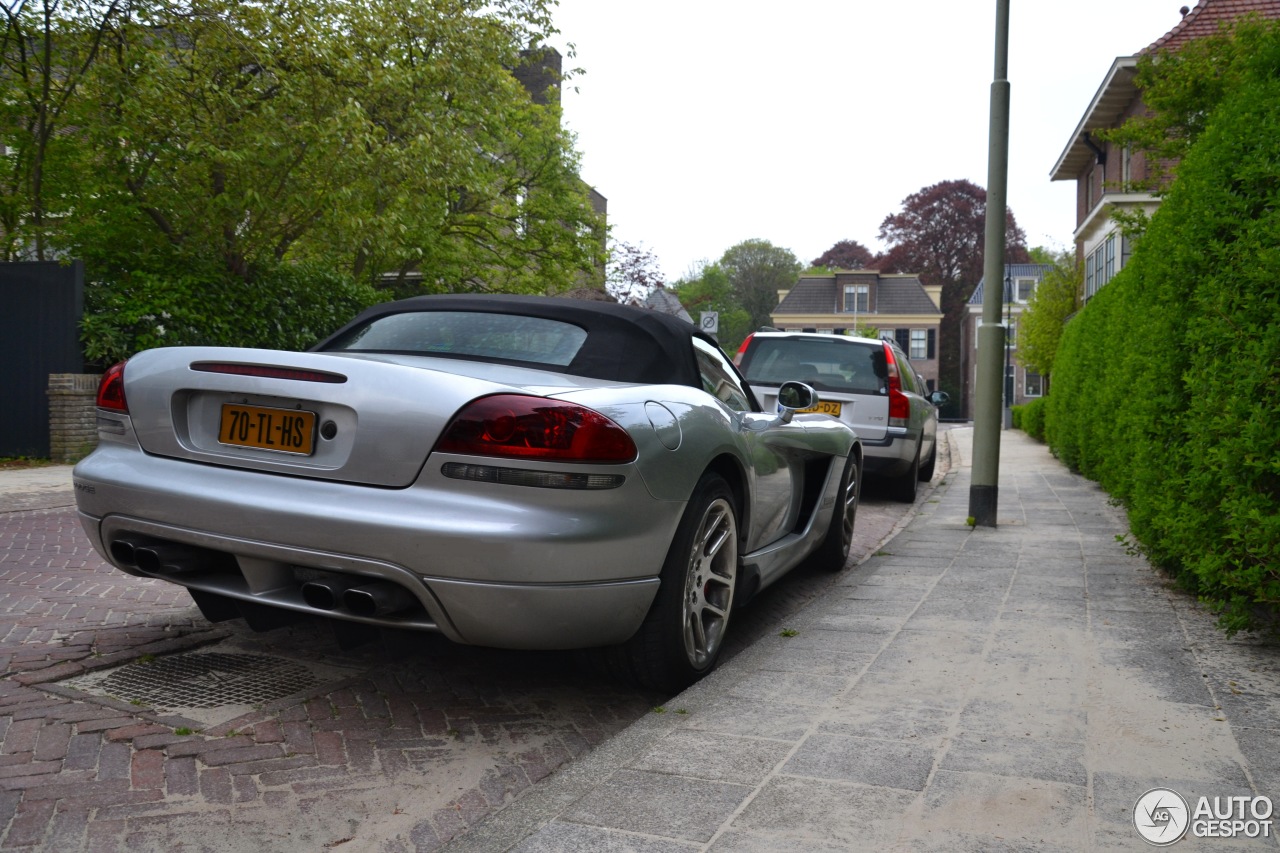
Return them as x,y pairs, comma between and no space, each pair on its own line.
846,255
938,234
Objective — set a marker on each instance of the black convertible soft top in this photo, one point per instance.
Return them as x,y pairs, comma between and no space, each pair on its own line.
623,344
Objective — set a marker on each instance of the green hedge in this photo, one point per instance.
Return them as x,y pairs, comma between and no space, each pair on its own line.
282,306
1030,418
1166,387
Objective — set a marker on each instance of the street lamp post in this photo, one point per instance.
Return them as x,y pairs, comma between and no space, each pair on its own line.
985,487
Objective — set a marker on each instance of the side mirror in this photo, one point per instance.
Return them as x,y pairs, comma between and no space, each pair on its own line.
793,396
939,398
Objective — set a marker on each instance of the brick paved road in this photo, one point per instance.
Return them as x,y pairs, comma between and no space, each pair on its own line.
402,756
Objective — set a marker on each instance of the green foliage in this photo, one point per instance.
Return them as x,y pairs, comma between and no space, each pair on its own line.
709,290
1167,385
387,138
280,306
1055,299
1182,89
757,270
1045,255
1030,417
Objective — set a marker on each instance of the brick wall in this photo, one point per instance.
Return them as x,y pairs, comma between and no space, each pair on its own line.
73,418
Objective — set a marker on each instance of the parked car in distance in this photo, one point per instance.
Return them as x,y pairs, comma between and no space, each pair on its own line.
517,472
866,383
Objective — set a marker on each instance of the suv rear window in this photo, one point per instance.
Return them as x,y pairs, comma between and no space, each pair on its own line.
827,365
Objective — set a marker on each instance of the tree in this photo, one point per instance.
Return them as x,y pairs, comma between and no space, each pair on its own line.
632,273
939,235
1043,255
46,49
757,270
846,255
1055,299
708,289
372,138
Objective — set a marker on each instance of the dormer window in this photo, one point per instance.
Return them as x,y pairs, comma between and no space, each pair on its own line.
857,298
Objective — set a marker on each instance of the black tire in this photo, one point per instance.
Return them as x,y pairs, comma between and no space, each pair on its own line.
926,470
833,553
903,487
681,639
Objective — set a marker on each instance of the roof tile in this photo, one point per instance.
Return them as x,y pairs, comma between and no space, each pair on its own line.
1206,19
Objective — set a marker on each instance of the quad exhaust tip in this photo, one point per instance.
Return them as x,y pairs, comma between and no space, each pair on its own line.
325,594
155,557
361,598
378,599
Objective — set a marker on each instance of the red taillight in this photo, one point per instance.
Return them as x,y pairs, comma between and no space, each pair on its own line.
899,405
515,426
111,390
737,358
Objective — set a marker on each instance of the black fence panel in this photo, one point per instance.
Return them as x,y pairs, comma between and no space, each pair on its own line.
40,308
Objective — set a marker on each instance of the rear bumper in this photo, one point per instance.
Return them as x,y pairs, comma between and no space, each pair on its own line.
506,566
890,455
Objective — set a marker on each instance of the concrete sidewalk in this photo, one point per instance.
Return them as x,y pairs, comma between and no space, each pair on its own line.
1017,688
41,487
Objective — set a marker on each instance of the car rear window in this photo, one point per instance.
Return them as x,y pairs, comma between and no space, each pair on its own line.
467,334
827,365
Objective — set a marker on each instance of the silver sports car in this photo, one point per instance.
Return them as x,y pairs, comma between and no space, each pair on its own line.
518,472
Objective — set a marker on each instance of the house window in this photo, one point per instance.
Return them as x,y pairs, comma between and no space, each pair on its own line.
1031,385
887,335
919,343
1110,266
857,298
1025,288
1089,287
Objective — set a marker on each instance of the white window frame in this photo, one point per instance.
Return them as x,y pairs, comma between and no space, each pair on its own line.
919,344
1026,384
861,303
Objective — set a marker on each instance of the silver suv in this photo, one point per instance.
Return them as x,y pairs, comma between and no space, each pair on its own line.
867,383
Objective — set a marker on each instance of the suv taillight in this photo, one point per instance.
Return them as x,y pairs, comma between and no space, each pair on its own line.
516,426
111,390
742,350
899,404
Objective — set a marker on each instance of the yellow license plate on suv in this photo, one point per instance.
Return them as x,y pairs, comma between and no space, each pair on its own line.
282,430
824,407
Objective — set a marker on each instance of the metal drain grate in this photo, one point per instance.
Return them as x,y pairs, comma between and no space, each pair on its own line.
208,680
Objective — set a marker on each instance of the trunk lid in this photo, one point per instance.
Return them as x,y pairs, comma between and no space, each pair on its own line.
354,418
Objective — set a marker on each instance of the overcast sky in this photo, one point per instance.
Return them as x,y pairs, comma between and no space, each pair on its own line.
806,122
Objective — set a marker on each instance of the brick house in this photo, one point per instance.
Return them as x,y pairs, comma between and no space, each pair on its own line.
1021,385
896,306
1111,178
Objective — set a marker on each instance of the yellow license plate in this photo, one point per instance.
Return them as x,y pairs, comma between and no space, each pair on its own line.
282,430
823,408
